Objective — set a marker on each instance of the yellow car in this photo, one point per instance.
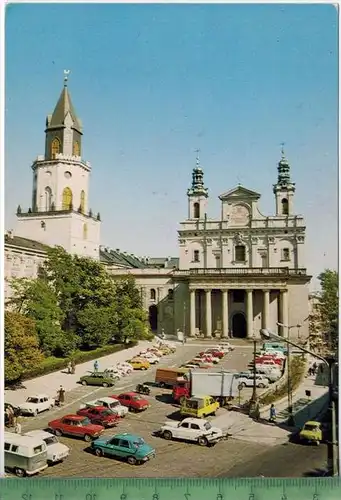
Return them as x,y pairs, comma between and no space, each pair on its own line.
139,364
199,407
311,432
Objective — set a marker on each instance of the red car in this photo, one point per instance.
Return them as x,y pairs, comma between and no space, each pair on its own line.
132,400
214,352
100,415
77,426
260,359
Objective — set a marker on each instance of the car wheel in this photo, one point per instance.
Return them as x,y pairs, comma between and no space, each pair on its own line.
261,386
58,432
162,384
143,368
131,460
19,472
99,452
241,385
317,442
105,384
87,438
51,407
35,413
182,399
168,435
202,441
84,382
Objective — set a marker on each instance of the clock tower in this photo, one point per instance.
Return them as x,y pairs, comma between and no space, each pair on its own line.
60,213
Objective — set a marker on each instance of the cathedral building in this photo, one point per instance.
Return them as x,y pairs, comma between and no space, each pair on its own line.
234,275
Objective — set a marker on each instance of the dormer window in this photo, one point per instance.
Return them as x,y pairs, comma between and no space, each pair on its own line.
196,210
240,253
285,207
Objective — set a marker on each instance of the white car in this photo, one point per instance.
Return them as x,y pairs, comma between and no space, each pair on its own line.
247,381
150,357
37,404
113,372
225,348
192,429
125,367
111,403
56,451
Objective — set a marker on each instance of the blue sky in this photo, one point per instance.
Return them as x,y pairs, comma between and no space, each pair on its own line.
152,83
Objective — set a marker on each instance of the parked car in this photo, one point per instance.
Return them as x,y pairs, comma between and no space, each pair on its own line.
199,407
247,381
75,426
209,358
100,415
263,359
97,378
311,432
113,404
150,357
214,352
225,348
125,367
139,364
113,372
133,401
56,451
202,361
37,404
24,455
127,446
192,429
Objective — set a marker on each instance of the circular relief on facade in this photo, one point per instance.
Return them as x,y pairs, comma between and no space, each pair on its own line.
67,175
239,215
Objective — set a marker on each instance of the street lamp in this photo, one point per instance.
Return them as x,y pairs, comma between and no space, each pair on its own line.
332,445
291,420
253,400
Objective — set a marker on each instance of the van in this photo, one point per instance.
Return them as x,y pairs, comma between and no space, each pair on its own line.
277,346
24,455
169,376
199,407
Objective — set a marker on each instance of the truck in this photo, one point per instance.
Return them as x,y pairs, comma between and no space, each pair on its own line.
221,385
169,377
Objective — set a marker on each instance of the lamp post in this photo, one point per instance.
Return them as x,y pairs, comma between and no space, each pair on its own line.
332,445
253,399
291,420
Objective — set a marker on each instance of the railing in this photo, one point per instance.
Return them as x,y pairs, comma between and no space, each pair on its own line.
254,271
292,221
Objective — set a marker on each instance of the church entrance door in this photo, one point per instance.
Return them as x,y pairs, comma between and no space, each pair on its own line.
239,326
153,318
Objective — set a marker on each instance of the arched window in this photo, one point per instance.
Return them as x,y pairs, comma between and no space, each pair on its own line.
152,294
76,148
67,199
85,231
196,256
82,201
196,210
55,147
240,254
48,199
285,207
285,254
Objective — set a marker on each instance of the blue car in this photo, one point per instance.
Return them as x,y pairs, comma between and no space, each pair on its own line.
133,448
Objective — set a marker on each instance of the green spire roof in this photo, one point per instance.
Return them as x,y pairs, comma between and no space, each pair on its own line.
283,171
198,187
63,107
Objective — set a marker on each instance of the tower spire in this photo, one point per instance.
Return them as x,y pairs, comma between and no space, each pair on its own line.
283,169
198,186
66,76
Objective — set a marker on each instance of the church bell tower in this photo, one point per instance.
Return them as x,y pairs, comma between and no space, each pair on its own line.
60,214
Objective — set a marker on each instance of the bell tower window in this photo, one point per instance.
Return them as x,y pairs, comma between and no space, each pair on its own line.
48,199
82,206
55,147
196,210
76,148
285,207
240,254
67,199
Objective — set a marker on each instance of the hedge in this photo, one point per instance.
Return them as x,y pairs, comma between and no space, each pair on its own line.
52,364
297,373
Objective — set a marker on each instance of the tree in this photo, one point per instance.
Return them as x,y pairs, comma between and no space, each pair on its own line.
21,345
99,325
325,317
37,299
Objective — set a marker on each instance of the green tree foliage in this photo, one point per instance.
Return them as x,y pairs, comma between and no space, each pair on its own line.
325,317
21,345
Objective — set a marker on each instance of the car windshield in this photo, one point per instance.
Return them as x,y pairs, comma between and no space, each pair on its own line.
137,398
310,427
208,426
84,421
115,403
139,442
51,440
105,413
32,400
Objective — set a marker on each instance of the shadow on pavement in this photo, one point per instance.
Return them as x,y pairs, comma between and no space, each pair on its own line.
316,473
176,415
164,398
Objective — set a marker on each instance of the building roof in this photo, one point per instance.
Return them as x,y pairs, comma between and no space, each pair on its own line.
239,192
63,107
25,243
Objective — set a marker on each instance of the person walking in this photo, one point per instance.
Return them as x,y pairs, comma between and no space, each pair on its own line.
61,394
96,366
17,427
69,367
73,366
272,413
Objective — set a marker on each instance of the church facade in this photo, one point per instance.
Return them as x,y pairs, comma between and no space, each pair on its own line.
234,275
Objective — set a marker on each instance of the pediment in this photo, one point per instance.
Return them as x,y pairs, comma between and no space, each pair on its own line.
239,193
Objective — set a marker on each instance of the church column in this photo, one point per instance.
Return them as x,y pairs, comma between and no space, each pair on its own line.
208,313
266,306
192,313
249,313
284,306
225,299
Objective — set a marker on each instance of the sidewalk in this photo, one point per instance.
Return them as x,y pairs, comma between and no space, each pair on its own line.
243,427
48,384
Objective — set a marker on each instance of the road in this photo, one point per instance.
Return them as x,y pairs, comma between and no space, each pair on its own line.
173,459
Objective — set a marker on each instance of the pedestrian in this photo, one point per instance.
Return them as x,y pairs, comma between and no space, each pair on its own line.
257,411
69,367
10,414
61,394
96,366
73,367
272,413
17,427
